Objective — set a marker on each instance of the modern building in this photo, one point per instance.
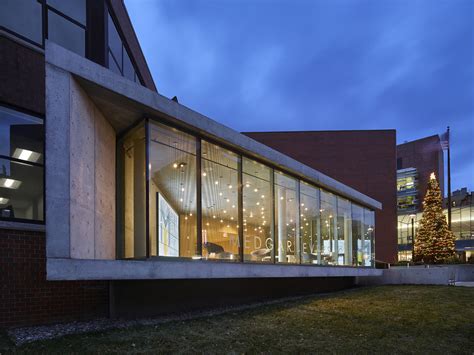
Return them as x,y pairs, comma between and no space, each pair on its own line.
115,200
362,159
416,160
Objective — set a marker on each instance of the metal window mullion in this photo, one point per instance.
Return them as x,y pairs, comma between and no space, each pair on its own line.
272,181
240,211
198,198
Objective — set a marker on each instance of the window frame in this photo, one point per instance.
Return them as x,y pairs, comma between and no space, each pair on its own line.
241,154
35,164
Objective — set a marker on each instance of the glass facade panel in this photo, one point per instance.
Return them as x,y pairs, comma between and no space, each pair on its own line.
357,234
75,9
21,191
368,238
220,237
21,136
310,224
131,162
128,70
66,33
23,17
286,218
328,229
21,166
115,43
344,232
113,65
172,189
257,211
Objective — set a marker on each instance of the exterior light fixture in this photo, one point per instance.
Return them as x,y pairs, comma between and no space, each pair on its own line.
10,183
4,200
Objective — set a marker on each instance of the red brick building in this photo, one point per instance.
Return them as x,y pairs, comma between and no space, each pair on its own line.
364,160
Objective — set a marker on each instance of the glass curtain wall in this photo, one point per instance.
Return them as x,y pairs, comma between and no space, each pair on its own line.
172,192
328,229
287,218
131,162
220,217
257,211
344,232
180,196
310,224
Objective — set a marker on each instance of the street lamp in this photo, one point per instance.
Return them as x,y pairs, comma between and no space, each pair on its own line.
412,216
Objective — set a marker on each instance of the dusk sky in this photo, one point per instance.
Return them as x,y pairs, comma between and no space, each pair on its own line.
319,65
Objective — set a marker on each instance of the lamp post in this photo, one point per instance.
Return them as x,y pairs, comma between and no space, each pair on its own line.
412,216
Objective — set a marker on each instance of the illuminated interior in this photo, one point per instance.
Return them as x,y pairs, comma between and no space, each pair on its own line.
180,196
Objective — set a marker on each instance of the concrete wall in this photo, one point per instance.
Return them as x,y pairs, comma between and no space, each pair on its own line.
80,173
419,275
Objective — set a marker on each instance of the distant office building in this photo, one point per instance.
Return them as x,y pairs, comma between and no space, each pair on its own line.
416,160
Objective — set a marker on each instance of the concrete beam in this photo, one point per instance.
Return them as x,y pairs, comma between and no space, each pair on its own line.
73,269
125,101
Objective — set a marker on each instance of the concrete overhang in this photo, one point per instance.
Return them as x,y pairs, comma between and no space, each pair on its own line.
73,269
124,102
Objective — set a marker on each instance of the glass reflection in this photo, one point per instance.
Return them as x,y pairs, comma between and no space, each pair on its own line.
172,189
220,237
357,233
287,218
328,229
310,224
344,232
368,238
257,211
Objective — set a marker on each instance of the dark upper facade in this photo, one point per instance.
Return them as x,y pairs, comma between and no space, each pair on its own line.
99,30
364,160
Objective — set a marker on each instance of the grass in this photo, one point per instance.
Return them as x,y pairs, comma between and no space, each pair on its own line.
386,319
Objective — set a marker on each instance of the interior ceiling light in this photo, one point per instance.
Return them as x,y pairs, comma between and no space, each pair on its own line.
4,200
26,155
10,183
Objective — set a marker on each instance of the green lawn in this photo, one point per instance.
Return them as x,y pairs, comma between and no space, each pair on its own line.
393,319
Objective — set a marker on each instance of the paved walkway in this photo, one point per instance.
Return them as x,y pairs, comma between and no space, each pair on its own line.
464,283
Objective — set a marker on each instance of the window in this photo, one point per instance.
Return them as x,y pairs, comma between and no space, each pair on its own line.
67,24
24,18
172,189
310,224
220,217
75,9
344,232
170,183
357,234
257,211
287,218
21,166
131,161
328,229
399,163
368,238
119,58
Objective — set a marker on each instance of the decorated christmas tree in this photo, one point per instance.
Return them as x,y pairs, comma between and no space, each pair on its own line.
434,242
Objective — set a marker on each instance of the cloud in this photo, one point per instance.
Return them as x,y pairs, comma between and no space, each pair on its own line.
309,65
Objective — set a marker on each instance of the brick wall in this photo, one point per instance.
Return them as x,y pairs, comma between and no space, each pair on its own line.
27,298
